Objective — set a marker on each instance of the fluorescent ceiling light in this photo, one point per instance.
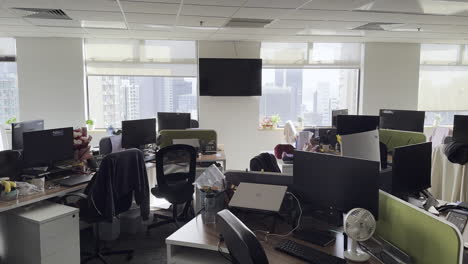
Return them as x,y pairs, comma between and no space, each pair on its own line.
103,24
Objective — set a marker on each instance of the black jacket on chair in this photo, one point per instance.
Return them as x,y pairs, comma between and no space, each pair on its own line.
122,176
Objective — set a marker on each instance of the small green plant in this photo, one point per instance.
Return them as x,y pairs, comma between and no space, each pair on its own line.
11,120
90,122
275,119
300,119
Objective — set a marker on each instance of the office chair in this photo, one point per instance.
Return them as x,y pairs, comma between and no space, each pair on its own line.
194,123
264,162
105,146
241,242
175,174
105,198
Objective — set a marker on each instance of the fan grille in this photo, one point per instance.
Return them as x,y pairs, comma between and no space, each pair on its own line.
359,224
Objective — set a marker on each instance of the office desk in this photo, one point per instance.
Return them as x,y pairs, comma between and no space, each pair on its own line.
47,194
219,156
196,242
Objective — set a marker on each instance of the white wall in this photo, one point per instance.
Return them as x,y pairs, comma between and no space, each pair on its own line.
51,80
235,118
390,77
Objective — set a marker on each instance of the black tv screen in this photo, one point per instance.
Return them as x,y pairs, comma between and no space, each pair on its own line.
230,77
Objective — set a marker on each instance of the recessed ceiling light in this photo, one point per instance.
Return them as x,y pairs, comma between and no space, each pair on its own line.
103,24
198,28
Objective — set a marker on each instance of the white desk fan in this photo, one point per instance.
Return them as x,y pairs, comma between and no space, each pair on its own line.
359,225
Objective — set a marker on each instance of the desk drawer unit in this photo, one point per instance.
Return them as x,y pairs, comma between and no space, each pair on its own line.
44,233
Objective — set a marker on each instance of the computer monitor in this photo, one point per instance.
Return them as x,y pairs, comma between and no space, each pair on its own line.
406,120
460,129
411,169
242,243
137,133
329,181
336,113
173,121
352,124
17,130
364,145
46,147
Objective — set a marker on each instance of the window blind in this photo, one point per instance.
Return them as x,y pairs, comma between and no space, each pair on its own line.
141,57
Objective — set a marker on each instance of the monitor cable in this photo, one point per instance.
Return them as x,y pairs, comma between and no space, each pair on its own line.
267,233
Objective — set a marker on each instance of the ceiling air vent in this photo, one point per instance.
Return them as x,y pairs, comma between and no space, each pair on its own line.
248,23
377,26
41,13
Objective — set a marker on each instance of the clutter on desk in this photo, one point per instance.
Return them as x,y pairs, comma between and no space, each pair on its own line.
8,190
211,187
81,145
25,188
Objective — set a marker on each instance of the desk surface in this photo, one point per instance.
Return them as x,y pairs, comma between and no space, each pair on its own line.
195,234
47,194
218,156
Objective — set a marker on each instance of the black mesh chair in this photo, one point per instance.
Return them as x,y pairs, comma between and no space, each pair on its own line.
175,174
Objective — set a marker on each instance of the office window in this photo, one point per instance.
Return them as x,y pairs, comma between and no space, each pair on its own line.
442,83
310,91
146,77
8,80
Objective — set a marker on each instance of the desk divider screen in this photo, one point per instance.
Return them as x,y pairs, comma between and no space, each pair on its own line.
425,237
398,138
166,136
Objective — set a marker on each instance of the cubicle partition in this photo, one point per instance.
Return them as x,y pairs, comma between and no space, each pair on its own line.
205,136
397,138
428,239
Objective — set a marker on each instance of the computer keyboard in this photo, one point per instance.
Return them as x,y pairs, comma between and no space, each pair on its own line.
76,179
308,254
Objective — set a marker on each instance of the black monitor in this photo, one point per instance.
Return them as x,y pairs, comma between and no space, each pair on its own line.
406,120
411,169
17,130
230,77
460,129
336,113
353,124
137,133
46,147
242,244
173,121
342,183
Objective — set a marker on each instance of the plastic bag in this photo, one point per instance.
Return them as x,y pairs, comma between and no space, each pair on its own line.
27,188
212,178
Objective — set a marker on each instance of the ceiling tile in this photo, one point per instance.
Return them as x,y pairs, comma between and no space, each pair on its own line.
262,13
263,31
88,5
148,27
9,28
216,11
13,21
69,30
95,15
216,2
275,3
29,3
194,21
145,7
336,4
54,22
150,19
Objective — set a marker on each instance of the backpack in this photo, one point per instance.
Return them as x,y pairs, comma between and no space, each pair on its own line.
266,162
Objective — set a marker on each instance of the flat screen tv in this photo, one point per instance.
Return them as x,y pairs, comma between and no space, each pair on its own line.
230,77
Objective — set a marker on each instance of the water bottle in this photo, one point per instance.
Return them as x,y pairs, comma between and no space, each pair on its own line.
209,212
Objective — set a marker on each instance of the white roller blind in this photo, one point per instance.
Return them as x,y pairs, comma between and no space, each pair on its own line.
343,54
141,57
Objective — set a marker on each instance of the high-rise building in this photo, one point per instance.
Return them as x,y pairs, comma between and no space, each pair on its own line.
8,91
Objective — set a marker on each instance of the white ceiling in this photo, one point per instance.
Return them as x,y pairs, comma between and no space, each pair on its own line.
293,20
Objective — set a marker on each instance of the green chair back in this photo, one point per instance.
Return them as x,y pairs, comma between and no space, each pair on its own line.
398,138
204,135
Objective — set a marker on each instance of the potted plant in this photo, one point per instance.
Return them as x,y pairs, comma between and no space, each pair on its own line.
275,119
90,124
11,121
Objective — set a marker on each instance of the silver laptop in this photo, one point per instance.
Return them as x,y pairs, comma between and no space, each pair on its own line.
258,196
